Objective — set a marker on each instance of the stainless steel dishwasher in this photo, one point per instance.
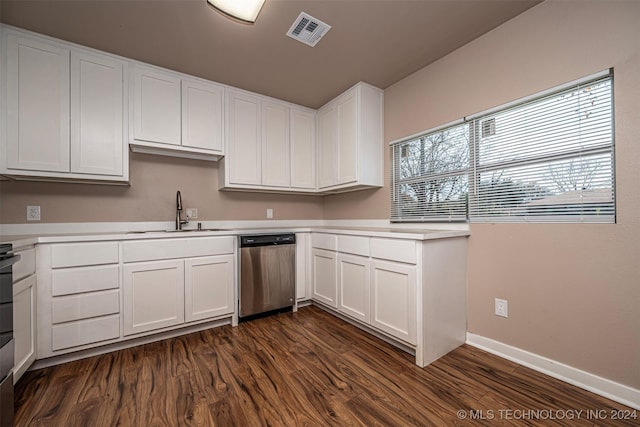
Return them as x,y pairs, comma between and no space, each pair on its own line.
267,273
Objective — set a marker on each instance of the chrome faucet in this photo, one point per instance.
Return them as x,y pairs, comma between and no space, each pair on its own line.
179,222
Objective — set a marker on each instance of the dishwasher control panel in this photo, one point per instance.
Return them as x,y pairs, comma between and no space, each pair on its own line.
267,240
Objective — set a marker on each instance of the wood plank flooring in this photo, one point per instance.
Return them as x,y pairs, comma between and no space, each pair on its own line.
299,369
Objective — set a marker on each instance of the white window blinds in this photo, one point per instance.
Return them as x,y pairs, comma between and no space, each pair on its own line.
547,159
429,176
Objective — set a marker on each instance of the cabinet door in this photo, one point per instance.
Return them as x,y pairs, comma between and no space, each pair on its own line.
324,280
303,130
24,325
302,265
347,138
37,105
209,284
393,299
153,295
327,146
275,145
244,143
202,115
353,286
156,106
96,114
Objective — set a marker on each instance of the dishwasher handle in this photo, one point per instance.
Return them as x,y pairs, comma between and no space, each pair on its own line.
248,241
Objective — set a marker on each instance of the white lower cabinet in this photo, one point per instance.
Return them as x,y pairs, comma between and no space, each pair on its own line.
78,296
24,325
160,294
393,299
92,294
170,282
410,291
353,285
324,278
153,295
303,261
208,290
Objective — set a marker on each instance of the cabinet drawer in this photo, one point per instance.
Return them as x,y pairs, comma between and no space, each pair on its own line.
88,279
84,306
26,266
394,250
83,332
81,254
150,250
324,241
354,245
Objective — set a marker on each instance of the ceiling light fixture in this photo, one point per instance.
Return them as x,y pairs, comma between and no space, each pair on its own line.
244,10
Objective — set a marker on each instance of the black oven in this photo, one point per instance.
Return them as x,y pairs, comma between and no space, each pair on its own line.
7,259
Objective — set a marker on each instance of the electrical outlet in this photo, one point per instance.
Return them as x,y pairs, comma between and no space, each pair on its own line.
192,213
33,213
269,213
502,307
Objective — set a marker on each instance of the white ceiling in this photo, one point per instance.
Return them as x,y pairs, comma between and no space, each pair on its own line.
376,41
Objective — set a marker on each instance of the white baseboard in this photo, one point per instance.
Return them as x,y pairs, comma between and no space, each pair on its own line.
585,380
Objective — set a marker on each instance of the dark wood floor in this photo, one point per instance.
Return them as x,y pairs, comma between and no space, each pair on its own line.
301,369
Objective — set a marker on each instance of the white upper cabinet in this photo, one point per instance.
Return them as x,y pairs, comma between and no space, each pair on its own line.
156,106
96,111
37,105
350,140
64,111
270,145
303,144
175,115
275,145
244,152
327,145
202,107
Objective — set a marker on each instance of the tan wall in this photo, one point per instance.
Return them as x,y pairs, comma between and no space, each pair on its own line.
151,197
573,290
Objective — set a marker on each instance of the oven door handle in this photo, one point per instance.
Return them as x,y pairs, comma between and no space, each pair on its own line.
8,261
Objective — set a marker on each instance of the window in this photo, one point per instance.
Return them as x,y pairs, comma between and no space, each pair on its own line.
430,176
546,159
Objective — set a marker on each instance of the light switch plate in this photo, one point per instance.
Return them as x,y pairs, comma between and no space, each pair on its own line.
192,213
269,213
33,213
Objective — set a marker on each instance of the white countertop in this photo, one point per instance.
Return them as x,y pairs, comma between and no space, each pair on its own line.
395,233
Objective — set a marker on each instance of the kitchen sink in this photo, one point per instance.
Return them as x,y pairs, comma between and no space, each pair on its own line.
176,231
194,229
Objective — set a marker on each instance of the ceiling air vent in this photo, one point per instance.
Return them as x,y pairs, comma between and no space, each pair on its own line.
307,29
